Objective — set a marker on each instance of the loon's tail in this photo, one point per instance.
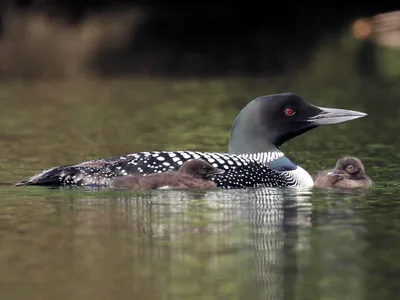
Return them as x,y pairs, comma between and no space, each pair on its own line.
93,172
53,176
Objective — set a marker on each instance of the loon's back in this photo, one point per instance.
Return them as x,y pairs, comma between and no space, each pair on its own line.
240,170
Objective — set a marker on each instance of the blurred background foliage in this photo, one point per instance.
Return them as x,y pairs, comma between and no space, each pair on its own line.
53,38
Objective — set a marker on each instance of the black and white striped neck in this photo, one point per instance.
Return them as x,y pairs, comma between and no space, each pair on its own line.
265,157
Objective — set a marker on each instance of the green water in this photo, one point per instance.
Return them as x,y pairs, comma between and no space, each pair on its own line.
249,244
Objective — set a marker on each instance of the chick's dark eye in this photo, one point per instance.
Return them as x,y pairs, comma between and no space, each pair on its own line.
350,168
290,112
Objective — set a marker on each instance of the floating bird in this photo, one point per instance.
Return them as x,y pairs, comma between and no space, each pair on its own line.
349,172
254,158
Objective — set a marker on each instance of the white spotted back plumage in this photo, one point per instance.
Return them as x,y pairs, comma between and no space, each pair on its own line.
244,170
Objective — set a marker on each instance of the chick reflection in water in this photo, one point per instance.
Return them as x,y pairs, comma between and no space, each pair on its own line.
193,174
349,172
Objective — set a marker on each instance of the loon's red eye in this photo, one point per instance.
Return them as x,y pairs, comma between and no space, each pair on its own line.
289,112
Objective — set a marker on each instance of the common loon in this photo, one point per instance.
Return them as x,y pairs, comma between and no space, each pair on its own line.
254,158
193,174
349,172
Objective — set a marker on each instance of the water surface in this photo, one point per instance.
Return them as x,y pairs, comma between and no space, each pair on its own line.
245,244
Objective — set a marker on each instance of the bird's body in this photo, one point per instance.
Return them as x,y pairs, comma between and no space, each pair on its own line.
240,170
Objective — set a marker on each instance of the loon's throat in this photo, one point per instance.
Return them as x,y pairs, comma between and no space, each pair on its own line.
250,140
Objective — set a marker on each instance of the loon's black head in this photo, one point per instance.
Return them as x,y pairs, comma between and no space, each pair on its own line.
198,168
349,168
267,122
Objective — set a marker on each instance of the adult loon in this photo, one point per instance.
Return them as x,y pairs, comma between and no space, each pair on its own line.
193,174
349,172
254,157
